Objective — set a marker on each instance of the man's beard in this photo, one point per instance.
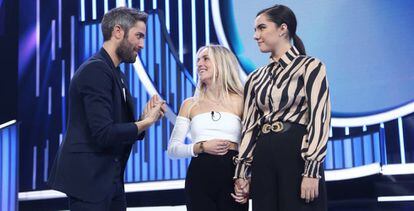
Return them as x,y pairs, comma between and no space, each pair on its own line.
125,52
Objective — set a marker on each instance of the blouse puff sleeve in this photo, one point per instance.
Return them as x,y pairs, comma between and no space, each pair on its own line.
319,112
248,140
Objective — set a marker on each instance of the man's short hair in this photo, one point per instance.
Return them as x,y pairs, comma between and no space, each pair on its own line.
122,16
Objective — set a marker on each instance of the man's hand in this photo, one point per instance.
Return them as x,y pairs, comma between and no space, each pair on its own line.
153,111
151,105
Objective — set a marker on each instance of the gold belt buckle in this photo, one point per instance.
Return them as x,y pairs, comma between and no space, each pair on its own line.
275,127
266,128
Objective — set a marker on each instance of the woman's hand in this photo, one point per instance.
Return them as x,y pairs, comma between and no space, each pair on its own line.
154,110
309,189
216,146
241,191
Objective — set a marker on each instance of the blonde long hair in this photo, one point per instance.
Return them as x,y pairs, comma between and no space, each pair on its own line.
225,73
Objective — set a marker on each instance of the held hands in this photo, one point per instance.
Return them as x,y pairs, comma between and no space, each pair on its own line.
241,190
154,110
309,189
216,146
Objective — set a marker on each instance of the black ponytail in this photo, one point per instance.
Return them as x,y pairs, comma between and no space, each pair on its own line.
280,14
297,42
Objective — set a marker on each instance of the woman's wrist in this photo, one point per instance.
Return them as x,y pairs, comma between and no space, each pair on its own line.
199,147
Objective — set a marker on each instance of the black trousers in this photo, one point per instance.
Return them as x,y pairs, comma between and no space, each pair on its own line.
276,173
209,183
115,201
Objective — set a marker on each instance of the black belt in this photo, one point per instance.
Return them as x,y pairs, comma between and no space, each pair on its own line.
277,127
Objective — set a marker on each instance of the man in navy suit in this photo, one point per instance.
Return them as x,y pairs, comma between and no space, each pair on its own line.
90,163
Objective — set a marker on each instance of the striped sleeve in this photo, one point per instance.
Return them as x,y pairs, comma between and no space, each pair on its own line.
248,141
319,110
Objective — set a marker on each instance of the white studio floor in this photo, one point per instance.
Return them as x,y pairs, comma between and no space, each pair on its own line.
163,208
167,208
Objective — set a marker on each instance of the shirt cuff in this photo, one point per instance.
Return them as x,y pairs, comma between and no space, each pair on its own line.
242,167
312,169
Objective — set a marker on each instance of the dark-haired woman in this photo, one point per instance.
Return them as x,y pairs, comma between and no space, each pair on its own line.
286,121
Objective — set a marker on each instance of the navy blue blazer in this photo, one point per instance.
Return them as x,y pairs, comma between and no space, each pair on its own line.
100,131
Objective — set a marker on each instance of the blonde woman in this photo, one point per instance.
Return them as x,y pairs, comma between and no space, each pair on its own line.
213,116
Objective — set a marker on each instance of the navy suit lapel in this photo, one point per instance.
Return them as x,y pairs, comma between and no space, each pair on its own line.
129,99
121,82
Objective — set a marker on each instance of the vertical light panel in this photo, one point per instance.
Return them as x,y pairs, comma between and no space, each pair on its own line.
401,137
338,153
49,101
5,168
141,5
14,167
383,147
94,9
72,46
159,151
377,148
346,131
137,165
158,59
34,172
368,149
46,161
154,4
348,158
120,3
37,47
194,39
207,20
150,57
63,94
8,165
82,8
105,6
94,39
358,153
86,41
174,84
53,42
167,15
329,156
60,22
63,79
180,31
129,169
60,138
